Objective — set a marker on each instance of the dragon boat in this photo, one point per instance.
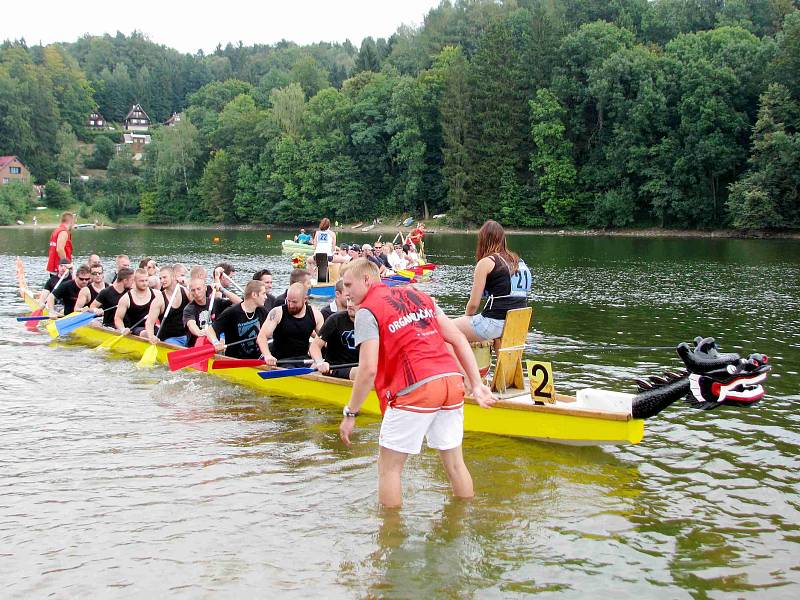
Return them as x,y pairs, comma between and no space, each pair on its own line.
290,246
593,417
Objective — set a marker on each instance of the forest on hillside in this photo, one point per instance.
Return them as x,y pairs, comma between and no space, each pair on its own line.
567,113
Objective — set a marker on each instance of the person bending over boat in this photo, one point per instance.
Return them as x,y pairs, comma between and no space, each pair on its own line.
199,313
402,338
171,330
290,326
67,293
335,344
96,285
134,305
338,303
500,275
324,243
241,322
109,298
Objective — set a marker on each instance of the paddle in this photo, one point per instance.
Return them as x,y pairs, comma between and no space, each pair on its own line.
278,373
32,325
111,342
70,323
150,355
35,318
180,359
236,285
202,365
238,363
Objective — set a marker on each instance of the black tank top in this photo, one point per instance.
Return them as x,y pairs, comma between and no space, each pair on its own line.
94,293
172,325
290,337
137,312
498,288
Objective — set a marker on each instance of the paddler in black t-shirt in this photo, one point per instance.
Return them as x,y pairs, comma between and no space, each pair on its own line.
290,325
134,305
241,322
338,303
67,293
336,344
106,302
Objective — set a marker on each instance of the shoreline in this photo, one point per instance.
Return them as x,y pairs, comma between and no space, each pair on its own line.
383,229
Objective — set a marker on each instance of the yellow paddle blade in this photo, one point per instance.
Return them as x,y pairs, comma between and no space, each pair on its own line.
51,329
148,357
109,343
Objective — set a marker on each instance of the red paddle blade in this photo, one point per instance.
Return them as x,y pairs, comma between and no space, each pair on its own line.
236,363
201,365
33,325
183,358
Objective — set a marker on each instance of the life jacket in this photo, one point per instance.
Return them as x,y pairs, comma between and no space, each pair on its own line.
52,255
411,346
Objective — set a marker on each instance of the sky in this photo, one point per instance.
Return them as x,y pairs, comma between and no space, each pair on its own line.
189,26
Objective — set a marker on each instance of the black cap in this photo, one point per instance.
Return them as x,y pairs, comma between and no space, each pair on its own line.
64,261
344,247
355,247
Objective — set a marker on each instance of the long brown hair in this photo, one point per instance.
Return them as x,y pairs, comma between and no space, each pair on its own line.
492,240
324,224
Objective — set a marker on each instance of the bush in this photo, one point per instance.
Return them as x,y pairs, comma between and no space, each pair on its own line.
56,196
14,202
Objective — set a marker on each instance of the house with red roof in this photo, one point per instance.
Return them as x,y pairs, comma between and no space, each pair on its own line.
12,169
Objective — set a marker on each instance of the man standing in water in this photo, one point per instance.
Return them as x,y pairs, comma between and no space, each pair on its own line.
402,337
60,243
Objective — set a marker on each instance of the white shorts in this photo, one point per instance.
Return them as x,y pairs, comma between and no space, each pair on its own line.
403,430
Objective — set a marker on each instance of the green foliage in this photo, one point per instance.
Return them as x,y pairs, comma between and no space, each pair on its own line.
55,195
15,201
533,112
102,154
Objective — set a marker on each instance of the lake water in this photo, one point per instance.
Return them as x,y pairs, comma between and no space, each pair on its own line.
116,482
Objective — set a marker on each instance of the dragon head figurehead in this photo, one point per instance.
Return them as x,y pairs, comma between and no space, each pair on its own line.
711,379
716,379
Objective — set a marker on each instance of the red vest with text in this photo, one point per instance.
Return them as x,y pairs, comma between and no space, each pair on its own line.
52,255
411,346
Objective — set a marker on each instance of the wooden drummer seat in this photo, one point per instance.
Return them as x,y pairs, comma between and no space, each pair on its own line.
508,372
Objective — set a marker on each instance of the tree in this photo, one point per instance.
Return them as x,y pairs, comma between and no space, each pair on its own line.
102,154
56,195
551,160
768,196
217,188
69,153
288,109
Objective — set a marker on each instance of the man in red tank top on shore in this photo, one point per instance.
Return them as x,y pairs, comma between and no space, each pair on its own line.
403,342
60,243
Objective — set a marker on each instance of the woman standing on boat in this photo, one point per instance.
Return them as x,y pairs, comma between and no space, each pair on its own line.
502,277
324,243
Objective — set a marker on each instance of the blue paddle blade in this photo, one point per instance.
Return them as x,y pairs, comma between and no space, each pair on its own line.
71,323
277,373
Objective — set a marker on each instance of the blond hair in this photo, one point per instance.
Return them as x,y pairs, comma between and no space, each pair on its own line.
361,267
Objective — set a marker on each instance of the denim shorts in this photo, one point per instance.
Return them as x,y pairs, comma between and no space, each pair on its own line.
486,328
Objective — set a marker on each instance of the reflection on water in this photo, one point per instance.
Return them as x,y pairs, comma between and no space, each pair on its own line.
115,481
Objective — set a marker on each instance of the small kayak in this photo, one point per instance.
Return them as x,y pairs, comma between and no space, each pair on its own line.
323,290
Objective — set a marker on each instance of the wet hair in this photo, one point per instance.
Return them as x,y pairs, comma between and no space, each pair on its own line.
492,240
298,275
259,274
325,224
83,270
144,261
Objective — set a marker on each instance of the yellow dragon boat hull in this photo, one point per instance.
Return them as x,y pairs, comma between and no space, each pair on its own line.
514,416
